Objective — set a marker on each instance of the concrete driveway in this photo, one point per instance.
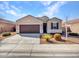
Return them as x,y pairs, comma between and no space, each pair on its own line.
23,39
26,45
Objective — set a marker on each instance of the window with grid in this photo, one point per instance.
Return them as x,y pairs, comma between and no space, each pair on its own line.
54,25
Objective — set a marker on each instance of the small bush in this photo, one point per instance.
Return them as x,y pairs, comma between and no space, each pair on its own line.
6,34
57,37
47,36
74,34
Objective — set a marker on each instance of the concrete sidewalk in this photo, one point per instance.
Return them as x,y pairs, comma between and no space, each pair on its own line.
51,50
26,47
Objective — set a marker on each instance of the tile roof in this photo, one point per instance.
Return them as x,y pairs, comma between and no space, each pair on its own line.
43,18
6,21
55,18
74,21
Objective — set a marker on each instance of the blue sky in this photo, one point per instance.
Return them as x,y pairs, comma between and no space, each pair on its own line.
13,10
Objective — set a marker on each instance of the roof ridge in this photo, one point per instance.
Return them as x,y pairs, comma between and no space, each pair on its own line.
6,21
27,16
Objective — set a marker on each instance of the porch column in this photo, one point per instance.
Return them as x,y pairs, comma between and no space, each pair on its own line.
41,28
17,28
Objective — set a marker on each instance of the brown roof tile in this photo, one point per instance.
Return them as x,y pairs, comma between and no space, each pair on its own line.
74,21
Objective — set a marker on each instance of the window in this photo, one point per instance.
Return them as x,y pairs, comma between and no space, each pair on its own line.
54,25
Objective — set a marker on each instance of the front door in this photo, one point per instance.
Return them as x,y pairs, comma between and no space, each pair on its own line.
44,27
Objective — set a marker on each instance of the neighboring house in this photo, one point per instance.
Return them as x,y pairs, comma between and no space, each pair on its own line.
31,24
6,26
74,25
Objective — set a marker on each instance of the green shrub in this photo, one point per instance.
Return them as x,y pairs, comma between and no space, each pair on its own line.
57,37
47,36
6,34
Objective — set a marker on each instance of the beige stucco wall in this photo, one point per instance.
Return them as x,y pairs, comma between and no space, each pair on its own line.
29,21
6,27
74,27
49,30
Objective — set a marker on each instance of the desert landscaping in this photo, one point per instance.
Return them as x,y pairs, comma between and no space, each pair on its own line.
57,39
6,35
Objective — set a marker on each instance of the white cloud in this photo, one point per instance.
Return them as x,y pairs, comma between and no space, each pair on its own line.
53,9
46,3
12,12
15,8
6,6
11,9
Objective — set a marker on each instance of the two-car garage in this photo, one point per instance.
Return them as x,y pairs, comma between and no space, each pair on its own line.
29,24
29,28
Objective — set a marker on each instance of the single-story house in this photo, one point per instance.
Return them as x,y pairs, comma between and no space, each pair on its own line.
7,26
74,25
31,24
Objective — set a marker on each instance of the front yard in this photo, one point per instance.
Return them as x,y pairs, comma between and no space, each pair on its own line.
3,37
50,39
47,39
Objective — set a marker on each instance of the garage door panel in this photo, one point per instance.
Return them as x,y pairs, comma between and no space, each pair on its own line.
29,28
